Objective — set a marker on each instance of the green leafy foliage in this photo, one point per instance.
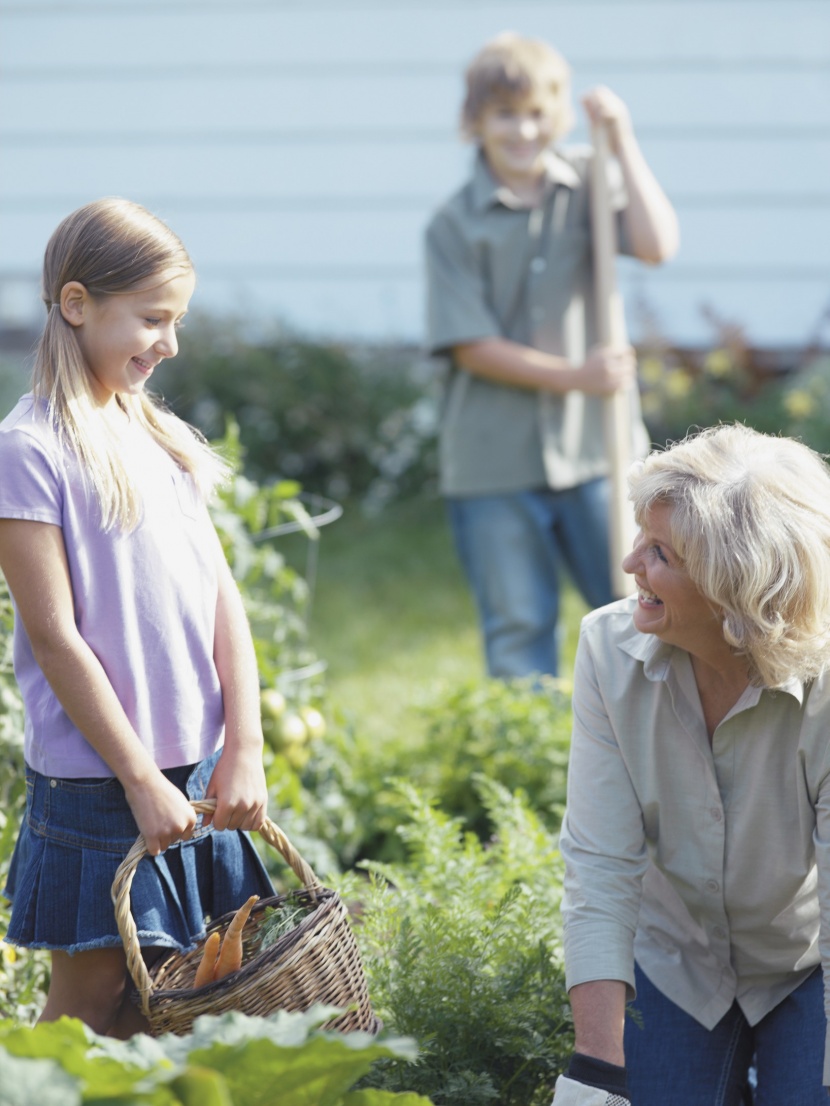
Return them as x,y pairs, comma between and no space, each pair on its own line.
516,732
22,978
343,420
806,400
275,593
462,948
232,1060
683,390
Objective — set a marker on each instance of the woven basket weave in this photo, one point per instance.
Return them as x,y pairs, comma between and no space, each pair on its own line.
318,961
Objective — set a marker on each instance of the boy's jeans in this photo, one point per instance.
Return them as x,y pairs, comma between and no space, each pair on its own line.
512,548
674,1059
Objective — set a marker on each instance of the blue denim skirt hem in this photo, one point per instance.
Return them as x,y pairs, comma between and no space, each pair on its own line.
75,835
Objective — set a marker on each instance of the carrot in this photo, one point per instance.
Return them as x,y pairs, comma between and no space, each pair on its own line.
230,956
207,965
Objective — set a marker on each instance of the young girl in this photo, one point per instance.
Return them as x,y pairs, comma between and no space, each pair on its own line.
132,648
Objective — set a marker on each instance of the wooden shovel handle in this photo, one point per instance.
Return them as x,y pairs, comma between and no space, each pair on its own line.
610,327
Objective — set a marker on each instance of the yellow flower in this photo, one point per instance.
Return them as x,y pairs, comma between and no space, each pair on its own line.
678,383
8,952
651,370
799,404
718,363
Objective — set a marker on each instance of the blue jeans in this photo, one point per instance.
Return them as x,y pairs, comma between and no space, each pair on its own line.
512,548
673,1059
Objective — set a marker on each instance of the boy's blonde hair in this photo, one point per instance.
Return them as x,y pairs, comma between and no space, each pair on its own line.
511,67
113,247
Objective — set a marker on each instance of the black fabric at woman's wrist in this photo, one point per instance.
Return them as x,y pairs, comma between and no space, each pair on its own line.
598,1073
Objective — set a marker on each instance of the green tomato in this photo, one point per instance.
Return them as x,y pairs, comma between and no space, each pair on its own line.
272,702
314,721
297,756
293,730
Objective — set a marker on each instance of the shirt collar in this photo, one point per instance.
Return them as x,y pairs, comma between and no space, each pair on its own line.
657,658
487,191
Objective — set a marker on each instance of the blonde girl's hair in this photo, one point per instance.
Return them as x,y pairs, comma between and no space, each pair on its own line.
750,521
511,67
113,247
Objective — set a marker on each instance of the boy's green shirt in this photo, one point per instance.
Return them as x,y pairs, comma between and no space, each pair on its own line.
497,269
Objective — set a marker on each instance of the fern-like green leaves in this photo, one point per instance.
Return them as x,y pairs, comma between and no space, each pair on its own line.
462,948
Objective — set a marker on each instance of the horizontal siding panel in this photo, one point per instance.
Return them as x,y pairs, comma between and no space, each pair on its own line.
316,33
357,103
740,240
396,174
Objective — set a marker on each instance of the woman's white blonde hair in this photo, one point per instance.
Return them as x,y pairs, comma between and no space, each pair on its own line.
750,521
112,247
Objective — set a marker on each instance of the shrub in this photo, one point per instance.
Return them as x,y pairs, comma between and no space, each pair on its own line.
345,421
461,944
806,401
275,593
515,732
23,978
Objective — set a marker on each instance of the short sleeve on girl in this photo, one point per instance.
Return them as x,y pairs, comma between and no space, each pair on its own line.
30,487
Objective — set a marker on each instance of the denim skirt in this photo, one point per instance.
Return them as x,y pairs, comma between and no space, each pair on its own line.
75,834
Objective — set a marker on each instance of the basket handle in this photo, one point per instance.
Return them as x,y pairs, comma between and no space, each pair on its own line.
123,881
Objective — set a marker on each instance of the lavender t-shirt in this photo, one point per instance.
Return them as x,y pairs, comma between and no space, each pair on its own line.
145,601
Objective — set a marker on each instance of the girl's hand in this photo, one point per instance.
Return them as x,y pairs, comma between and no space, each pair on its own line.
238,785
163,813
604,106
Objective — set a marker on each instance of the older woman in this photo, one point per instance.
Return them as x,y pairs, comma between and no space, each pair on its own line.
697,832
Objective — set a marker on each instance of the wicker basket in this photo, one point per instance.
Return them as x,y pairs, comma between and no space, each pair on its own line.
318,961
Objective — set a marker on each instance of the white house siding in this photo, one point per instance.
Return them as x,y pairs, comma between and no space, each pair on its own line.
298,148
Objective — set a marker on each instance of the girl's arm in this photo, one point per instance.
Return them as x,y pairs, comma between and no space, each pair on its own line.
33,560
650,220
238,780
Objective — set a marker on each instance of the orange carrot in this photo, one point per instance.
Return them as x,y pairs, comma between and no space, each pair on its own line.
207,965
230,956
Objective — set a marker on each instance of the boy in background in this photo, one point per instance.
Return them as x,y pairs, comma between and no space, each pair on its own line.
510,300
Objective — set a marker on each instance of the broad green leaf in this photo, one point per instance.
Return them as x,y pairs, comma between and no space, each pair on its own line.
66,1037
68,1042
201,1087
24,1081
145,1052
284,1028
313,1075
